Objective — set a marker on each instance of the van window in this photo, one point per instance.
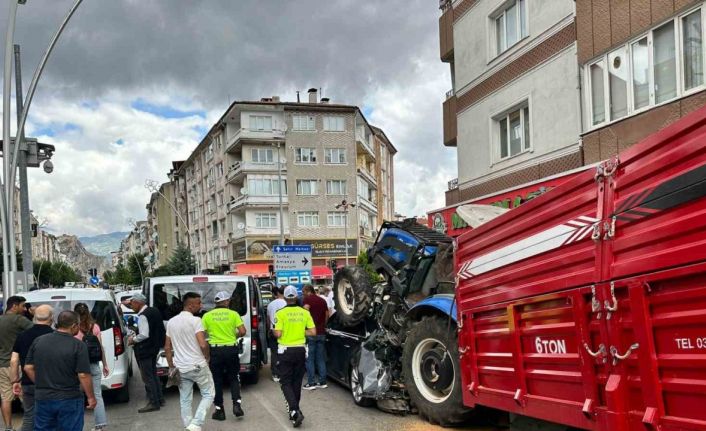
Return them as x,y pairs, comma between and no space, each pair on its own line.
103,312
167,296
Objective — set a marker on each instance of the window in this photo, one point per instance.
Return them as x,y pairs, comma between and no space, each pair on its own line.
266,220
209,152
337,219
640,75
214,229
514,132
335,156
306,155
307,187
219,200
308,219
262,155
219,170
663,64
265,187
692,41
336,187
363,189
303,123
334,124
261,123
217,141
511,25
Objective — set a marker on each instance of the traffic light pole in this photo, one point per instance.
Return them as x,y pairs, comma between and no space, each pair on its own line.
25,218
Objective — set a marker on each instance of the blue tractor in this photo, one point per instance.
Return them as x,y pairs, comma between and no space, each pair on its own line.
408,356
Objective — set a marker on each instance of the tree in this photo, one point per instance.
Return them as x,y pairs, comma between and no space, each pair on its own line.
181,262
135,268
54,273
363,262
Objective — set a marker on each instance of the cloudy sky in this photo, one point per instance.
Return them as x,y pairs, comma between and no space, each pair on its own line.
134,84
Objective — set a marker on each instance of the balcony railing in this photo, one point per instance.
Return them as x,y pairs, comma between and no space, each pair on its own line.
364,143
262,201
367,205
245,134
237,170
450,121
446,33
368,176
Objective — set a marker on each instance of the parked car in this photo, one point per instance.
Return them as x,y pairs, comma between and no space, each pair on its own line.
103,308
165,293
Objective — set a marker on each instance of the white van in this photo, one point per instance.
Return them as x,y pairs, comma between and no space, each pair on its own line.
165,293
113,332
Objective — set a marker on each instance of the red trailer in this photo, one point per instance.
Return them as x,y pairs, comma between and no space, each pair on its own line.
587,306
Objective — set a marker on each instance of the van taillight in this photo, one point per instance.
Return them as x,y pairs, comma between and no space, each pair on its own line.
253,327
118,339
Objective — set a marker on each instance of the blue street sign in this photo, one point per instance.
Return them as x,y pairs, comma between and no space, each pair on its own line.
94,281
292,265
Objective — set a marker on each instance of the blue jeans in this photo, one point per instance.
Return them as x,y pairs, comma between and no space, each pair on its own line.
53,415
203,379
99,412
316,360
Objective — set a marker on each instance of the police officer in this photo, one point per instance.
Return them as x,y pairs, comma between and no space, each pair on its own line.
292,324
224,326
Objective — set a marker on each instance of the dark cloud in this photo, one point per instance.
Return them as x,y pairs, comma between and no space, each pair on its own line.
379,54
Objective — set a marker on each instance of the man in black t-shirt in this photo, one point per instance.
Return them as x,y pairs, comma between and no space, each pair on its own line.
58,365
43,317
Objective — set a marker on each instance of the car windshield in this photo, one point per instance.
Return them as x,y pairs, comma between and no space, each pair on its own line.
167,296
100,310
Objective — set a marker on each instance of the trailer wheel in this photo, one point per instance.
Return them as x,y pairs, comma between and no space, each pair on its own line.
430,365
351,295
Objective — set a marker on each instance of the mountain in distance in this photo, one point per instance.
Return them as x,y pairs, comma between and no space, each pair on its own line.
102,245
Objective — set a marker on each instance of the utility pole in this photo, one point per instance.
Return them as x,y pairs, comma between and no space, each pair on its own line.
25,219
345,205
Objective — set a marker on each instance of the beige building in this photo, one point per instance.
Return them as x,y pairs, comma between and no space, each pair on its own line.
161,223
228,190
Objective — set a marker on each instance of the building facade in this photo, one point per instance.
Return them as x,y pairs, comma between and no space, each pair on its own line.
514,111
642,63
305,158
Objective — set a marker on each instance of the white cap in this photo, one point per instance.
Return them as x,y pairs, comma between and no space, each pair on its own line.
222,296
290,292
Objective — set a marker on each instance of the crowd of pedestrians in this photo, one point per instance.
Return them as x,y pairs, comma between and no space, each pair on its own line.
55,363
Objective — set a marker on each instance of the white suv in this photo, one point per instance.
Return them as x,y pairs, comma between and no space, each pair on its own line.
113,332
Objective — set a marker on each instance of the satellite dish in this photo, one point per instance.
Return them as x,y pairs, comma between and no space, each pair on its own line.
282,160
244,191
241,226
475,215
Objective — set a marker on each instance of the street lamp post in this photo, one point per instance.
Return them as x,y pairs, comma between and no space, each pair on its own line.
153,186
281,206
345,205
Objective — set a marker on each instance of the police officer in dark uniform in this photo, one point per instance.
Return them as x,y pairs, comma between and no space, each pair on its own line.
292,324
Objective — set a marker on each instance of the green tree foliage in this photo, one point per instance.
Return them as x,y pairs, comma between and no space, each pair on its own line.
120,275
363,262
54,273
18,255
181,262
136,268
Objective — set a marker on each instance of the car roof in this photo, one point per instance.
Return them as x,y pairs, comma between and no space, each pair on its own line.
89,294
190,278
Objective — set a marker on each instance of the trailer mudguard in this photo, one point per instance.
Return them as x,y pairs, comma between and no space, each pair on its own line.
444,303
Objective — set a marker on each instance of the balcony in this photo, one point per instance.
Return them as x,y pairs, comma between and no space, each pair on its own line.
363,145
238,170
446,34
244,201
261,136
367,176
449,115
367,205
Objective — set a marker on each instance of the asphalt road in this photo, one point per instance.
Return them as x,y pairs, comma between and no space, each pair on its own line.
330,409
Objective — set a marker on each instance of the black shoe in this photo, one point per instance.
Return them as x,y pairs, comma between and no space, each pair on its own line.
297,419
238,411
219,414
148,408
162,403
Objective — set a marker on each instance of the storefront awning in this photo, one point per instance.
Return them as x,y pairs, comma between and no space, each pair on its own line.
321,272
257,270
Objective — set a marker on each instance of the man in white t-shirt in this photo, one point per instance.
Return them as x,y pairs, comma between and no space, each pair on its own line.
272,309
187,351
326,293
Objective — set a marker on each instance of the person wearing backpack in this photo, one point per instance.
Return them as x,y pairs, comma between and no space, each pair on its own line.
90,333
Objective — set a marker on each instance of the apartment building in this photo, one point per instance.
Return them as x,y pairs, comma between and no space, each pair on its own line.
303,157
642,64
161,226
513,113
